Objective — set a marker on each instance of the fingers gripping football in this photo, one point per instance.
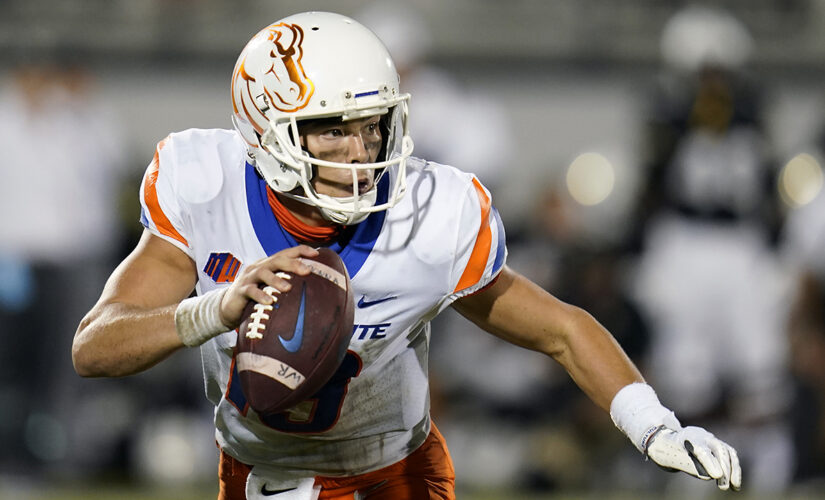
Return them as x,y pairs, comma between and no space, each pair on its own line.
698,453
269,271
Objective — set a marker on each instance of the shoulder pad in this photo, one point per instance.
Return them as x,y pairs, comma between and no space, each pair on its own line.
197,159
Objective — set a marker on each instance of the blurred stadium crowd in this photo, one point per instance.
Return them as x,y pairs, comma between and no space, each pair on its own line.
694,234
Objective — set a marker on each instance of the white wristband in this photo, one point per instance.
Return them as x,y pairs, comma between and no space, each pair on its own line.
198,319
637,412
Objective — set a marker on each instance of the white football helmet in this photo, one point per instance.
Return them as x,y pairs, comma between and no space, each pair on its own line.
319,65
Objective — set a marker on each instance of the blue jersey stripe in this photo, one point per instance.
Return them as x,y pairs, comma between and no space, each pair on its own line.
359,247
271,235
500,244
143,219
274,238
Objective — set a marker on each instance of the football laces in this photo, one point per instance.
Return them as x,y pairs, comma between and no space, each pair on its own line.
260,313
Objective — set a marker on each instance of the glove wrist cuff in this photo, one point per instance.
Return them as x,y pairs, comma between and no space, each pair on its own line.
198,319
637,412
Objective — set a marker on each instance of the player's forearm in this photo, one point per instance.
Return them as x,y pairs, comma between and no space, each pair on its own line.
571,336
118,339
594,359
521,312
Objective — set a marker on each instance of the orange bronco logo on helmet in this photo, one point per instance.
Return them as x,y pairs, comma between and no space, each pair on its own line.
281,82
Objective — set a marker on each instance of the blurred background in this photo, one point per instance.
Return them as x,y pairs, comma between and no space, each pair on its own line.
658,163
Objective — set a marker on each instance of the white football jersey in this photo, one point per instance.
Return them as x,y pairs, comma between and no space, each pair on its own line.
444,240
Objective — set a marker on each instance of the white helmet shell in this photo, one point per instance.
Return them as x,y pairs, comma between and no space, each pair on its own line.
318,65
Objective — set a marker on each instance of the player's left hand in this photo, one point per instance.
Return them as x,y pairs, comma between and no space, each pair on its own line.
697,452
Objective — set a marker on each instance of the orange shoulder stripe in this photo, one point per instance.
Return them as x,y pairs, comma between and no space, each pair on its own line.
481,251
150,196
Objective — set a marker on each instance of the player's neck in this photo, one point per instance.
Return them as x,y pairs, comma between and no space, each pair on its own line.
302,221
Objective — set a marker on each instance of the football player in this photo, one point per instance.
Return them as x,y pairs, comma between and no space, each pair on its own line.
320,156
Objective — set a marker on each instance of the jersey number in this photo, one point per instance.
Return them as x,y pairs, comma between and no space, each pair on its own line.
318,413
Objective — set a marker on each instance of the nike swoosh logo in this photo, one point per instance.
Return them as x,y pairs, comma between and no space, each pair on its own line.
367,303
268,493
293,344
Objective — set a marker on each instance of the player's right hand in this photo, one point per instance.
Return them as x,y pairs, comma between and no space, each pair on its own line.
262,272
697,452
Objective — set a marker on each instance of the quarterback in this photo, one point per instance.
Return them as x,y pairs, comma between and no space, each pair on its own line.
320,156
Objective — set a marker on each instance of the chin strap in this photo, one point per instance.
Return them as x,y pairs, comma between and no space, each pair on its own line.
349,219
338,217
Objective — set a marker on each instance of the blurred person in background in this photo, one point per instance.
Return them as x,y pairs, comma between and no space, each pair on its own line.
802,250
62,163
807,341
709,278
261,189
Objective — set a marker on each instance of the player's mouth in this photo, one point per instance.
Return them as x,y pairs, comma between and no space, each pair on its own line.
364,186
345,189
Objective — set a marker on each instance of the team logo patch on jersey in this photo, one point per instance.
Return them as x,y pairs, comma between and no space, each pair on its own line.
222,267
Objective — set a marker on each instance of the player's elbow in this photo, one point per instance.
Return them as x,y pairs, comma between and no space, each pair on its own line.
85,357
88,362
81,366
573,324
83,362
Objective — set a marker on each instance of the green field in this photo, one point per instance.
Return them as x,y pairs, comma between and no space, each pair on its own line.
115,492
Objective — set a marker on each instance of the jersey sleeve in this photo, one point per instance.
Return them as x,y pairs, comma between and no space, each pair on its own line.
161,211
481,249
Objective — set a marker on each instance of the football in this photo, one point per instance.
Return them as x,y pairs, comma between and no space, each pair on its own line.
288,350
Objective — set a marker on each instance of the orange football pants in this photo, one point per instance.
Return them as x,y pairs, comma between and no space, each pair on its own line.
427,473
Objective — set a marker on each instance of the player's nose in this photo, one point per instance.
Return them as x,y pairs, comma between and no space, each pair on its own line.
357,149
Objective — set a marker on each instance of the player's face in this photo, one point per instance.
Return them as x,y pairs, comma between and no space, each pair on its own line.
355,141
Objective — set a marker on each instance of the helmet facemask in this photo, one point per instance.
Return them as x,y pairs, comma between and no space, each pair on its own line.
281,143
